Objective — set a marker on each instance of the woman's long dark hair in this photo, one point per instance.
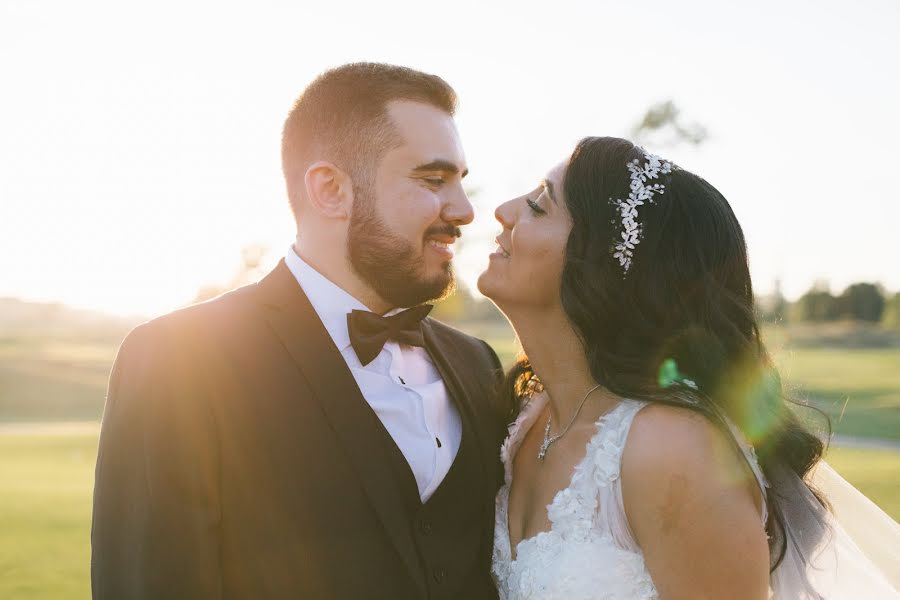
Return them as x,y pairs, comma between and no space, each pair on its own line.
686,297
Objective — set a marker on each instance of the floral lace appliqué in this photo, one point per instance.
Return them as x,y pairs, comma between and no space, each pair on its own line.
578,558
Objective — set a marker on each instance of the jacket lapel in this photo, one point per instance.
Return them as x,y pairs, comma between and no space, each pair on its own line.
449,362
293,319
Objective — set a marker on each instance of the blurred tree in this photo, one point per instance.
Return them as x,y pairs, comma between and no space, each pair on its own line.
772,308
862,302
817,304
663,126
453,307
463,306
779,304
891,315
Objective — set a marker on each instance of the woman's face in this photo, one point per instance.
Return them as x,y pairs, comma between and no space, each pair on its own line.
526,269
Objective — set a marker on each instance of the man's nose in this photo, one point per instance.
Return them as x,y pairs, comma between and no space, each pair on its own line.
458,210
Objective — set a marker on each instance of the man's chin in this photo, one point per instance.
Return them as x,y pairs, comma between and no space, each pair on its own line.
419,291
439,287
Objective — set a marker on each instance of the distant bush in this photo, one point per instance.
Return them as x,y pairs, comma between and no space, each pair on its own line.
817,305
859,302
862,302
891,315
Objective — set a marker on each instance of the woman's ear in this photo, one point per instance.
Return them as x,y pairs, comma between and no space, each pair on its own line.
329,190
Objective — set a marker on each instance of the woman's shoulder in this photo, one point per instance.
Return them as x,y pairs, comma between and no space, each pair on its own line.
669,441
675,459
688,497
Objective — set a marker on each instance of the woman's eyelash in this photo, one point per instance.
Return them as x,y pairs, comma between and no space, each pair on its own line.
534,207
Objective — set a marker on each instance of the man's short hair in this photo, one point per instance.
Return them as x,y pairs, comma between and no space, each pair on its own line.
342,117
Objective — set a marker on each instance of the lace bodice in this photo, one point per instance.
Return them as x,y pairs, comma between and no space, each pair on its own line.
589,551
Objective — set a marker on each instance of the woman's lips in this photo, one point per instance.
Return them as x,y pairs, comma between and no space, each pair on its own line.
501,251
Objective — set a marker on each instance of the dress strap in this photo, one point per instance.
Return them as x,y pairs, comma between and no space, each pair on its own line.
607,449
529,412
749,455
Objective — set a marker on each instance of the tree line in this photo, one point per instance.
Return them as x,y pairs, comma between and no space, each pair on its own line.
867,302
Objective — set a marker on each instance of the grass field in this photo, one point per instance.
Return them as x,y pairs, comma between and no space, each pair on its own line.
46,476
45,511
858,388
45,508
876,473
48,379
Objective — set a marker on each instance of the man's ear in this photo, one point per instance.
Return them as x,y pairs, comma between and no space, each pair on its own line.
329,189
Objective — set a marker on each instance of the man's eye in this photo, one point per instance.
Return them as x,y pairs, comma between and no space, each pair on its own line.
435,181
534,207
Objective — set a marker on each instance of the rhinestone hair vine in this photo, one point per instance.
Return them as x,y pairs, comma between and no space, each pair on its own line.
641,192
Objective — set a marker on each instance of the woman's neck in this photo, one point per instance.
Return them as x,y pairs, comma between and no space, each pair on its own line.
557,356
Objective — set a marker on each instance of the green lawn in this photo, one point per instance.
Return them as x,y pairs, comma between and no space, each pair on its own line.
45,512
43,379
47,379
45,507
876,473
46,477
858,388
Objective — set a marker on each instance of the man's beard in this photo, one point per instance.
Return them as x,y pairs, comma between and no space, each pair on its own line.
391,265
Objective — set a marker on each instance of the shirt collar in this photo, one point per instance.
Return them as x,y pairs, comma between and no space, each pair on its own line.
331,302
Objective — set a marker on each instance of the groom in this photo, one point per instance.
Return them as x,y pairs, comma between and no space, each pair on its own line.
315,435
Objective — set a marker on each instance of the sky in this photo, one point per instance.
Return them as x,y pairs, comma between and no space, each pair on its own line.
139,143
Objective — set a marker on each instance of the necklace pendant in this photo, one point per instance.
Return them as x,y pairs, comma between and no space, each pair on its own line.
548,439
546,443
543,451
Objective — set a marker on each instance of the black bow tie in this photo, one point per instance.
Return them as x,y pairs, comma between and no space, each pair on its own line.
369,332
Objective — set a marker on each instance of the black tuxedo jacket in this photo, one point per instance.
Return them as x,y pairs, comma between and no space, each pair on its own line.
238,459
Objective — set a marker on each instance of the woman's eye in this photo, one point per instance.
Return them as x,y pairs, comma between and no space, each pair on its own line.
534,207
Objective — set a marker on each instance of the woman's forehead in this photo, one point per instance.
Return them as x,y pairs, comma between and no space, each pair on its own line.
553,181
557,173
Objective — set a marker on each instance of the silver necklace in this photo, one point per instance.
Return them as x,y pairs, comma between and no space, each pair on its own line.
550,440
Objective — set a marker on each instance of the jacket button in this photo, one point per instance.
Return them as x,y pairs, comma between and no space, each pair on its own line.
425,526
438,575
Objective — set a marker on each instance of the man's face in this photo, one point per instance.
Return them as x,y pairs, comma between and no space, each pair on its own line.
403,226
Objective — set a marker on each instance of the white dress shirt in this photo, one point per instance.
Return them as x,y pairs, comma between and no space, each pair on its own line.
402,384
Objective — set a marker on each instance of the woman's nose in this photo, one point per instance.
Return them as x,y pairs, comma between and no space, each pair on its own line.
505,214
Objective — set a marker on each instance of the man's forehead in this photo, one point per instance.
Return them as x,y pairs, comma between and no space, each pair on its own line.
428,134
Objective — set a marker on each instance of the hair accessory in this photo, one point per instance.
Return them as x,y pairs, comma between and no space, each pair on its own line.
640,193
669,375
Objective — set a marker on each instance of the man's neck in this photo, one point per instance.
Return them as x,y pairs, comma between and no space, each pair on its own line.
338,272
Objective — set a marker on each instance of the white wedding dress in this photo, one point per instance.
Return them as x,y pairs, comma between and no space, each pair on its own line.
590,553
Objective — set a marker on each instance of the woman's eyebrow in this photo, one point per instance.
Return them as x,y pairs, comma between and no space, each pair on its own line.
548,185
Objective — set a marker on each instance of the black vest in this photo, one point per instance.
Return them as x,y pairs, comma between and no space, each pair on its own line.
452,518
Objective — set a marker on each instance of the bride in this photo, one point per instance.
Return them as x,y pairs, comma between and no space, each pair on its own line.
652,453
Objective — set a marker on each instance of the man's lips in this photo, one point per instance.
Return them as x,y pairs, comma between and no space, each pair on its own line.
442,239
442,244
